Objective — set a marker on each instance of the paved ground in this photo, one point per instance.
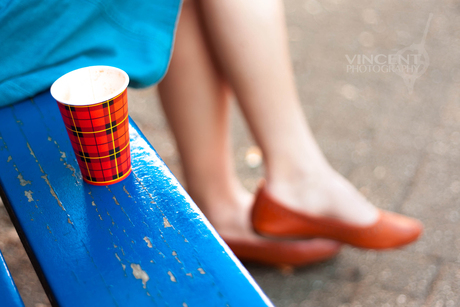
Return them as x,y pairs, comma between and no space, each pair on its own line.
401,150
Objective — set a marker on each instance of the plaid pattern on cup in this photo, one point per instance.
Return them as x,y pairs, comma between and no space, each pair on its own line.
99,134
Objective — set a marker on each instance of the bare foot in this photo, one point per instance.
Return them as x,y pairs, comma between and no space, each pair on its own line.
231,217
325,193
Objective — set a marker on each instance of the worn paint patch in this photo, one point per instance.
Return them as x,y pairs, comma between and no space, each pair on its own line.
4,144
201,271
147,240
175,256
116,201
31,151
126,215
23,182
71,168
45,177
53,193
138,273
113,222
172,277
122,265
28,194
126,191
166,222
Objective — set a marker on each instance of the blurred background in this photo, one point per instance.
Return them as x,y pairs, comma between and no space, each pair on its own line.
400,149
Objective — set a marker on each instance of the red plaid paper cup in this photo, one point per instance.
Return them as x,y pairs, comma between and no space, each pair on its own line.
94,106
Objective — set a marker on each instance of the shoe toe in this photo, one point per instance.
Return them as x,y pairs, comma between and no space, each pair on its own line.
401,230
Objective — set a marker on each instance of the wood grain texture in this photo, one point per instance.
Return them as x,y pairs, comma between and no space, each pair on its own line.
140,242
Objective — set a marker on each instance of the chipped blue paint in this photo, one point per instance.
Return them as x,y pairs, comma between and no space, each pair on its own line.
140,242
8,292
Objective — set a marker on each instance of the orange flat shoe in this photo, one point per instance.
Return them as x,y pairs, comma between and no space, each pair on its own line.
281,253
391,230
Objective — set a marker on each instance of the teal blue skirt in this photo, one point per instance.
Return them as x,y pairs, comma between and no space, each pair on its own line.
40,40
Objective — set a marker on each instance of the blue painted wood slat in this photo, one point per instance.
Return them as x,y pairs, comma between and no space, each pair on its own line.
9,295
140,242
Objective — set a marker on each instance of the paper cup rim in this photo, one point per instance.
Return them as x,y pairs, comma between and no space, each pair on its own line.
104,98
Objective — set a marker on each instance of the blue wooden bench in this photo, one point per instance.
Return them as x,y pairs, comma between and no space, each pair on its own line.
140,242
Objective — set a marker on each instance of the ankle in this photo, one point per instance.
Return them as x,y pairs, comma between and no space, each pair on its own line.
291,175
229,215
216,203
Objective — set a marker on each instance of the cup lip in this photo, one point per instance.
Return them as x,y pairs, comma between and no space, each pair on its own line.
104,98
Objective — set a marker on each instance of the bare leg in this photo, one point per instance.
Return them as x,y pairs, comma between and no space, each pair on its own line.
195,100
249,40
